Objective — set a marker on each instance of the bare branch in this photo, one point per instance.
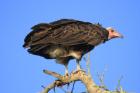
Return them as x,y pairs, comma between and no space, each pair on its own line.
80,75
53,74
73,77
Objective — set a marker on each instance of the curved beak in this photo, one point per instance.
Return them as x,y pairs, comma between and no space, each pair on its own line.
121,36
118,35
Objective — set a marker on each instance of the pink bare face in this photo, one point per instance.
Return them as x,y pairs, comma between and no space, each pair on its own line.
113,33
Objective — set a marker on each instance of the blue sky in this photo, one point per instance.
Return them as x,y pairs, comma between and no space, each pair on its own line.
22,72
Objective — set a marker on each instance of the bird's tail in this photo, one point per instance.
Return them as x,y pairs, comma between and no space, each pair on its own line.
26,45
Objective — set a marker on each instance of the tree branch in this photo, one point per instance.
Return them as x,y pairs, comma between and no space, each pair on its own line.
73,77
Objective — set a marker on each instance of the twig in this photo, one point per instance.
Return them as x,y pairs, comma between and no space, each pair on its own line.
53,74
73,87
88,64
73,77
119,84
101,77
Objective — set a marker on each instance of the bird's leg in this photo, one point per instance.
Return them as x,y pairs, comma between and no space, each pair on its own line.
78,65
78,68
66,70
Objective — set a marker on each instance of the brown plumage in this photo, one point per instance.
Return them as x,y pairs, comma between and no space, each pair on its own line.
65,39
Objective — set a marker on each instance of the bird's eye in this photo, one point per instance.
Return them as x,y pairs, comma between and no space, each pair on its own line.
112,30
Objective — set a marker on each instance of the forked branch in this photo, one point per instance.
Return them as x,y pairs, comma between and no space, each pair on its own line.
74,76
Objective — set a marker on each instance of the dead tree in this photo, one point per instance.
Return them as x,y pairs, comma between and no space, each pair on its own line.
80,75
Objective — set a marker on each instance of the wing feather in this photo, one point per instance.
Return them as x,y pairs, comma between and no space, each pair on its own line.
65,32
41,31
63,21
68,36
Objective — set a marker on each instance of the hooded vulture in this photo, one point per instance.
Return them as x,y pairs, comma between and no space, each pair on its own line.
66,39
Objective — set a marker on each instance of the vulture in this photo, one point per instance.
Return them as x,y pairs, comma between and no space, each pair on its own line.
67,39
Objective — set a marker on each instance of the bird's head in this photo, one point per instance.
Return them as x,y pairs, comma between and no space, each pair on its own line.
113,33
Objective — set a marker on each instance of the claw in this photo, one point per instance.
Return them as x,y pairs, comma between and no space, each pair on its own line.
78,71
66,75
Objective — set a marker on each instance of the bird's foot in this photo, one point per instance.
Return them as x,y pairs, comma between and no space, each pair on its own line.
78,70
66,74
